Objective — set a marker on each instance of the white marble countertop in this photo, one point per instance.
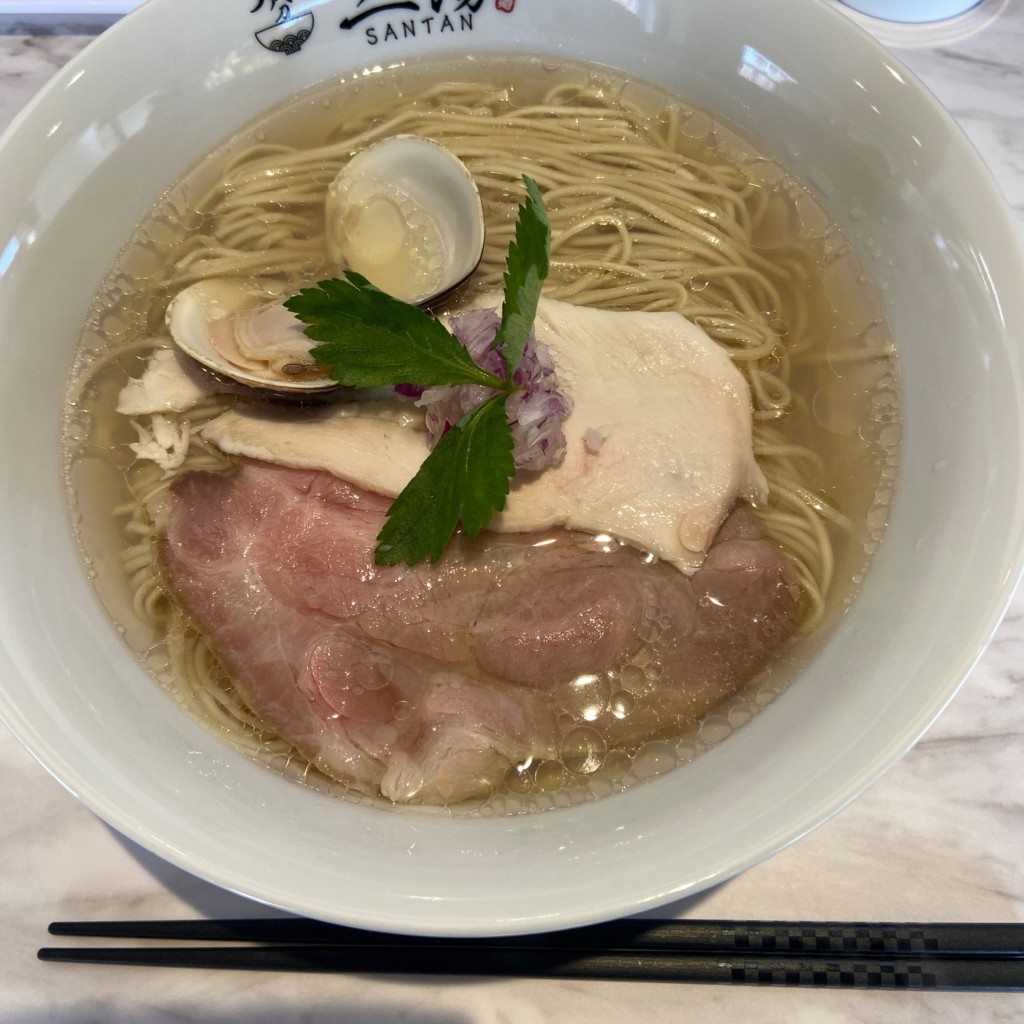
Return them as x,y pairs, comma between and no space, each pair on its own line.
938,839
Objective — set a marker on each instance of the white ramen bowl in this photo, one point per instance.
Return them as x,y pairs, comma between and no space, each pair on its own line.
83,164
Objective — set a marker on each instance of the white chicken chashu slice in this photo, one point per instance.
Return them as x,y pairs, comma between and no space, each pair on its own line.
658,443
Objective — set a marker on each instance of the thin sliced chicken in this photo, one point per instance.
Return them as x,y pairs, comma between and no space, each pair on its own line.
670,412
166,385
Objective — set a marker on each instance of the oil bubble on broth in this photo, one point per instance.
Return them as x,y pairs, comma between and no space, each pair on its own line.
748,254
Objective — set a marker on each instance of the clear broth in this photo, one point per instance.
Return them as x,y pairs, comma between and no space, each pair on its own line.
846,412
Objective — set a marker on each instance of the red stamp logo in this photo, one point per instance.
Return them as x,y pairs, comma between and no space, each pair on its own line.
508,6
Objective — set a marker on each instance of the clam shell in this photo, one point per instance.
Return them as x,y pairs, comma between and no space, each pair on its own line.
204,322
406,214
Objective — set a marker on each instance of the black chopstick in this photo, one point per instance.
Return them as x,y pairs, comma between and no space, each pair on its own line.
814,954
781,937
842,971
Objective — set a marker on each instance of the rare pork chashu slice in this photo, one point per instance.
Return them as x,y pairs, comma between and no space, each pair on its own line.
658,443
427,684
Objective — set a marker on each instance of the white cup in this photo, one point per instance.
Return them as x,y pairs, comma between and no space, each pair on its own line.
912,10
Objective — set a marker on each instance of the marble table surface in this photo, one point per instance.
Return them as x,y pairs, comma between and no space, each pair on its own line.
937,839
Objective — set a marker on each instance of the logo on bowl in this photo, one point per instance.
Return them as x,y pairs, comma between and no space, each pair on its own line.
410,19
290,30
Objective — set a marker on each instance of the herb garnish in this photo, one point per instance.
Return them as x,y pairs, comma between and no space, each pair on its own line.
371,339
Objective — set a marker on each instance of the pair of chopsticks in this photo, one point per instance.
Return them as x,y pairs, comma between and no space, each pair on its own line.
811,954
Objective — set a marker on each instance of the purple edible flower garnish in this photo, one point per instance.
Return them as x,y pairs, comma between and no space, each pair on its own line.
535,413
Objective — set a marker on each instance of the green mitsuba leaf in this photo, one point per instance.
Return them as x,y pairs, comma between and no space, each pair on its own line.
526,268
371,339
464,479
